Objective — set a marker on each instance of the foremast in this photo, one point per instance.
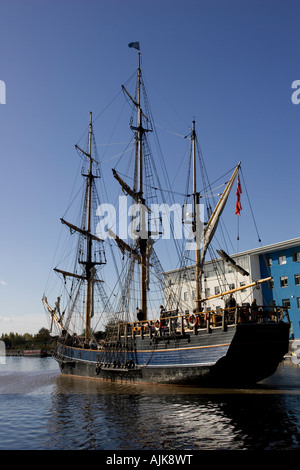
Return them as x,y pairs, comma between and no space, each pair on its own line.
88,260
89,264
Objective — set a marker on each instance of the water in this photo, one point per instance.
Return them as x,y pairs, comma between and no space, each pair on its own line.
42,410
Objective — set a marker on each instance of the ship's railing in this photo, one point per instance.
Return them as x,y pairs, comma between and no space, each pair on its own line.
172,322
178,325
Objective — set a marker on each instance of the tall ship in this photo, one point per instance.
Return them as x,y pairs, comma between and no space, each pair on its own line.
133,326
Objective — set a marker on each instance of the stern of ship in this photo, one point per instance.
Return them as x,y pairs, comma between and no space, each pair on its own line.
254,353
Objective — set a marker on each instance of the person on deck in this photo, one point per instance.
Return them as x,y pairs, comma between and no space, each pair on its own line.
162,315
140,315
254,310
230,304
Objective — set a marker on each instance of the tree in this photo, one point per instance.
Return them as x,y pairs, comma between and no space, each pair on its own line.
42,339
43,336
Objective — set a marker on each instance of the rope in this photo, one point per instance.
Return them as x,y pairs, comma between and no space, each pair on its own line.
244,183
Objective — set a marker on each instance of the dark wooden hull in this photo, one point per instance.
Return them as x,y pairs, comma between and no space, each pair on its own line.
242,355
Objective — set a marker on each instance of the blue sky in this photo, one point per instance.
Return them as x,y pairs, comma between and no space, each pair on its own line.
228,64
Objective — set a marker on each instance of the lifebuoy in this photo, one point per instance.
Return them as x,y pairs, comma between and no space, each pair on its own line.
157,324
193,320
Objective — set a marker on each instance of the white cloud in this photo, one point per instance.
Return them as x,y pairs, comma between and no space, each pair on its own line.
28,323
3,283
6,319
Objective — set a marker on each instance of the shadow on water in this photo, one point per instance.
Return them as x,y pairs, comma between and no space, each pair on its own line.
117,416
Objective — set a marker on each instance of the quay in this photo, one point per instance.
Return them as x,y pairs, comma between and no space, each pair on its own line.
29,352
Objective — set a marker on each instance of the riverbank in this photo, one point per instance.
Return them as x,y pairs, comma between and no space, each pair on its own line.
29,353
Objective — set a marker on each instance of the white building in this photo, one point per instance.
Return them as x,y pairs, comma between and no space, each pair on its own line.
280,261
219,276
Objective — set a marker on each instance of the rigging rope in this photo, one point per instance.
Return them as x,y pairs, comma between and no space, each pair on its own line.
244,183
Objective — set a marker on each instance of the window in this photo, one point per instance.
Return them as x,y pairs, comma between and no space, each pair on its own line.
217,290
286,303
270,262
270,284
282,259
297,279
185,296
207,292
231,286
296,256
209,274
298,302
193,294
284,281
242,284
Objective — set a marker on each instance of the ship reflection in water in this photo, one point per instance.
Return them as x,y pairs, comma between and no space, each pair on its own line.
43,410
120,416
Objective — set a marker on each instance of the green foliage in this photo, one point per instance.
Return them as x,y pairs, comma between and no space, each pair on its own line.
42,339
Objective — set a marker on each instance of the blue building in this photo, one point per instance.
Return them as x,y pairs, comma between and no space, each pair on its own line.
282,262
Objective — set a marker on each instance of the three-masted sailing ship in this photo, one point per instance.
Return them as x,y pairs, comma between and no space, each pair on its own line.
139,343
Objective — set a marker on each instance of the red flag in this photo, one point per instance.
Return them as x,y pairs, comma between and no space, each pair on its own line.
238,206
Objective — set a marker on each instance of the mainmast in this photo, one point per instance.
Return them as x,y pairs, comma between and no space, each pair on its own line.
140,130
138,196
196,221
143,238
